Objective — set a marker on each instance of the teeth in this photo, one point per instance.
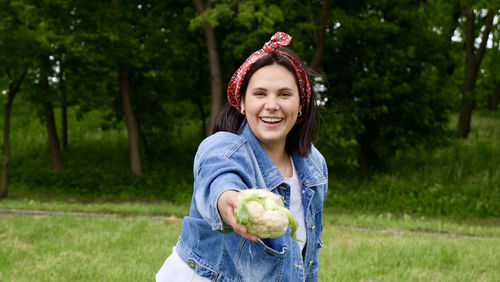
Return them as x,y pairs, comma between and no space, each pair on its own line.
271,119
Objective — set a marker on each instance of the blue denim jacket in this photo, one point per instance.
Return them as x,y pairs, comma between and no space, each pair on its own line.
209,246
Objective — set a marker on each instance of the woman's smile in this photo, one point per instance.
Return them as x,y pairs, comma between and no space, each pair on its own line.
271,121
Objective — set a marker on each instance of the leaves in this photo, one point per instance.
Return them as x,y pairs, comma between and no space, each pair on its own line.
392,72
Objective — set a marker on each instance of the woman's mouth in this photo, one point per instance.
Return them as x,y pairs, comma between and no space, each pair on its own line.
271,120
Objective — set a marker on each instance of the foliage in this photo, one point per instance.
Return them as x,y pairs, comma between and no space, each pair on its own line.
460,180
384,76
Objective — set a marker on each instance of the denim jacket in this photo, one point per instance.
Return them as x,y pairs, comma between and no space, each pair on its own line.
209,246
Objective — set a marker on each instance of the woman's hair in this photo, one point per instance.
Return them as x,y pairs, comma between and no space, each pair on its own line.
300,137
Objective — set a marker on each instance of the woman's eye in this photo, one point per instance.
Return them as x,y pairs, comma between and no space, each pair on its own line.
286,94
259,93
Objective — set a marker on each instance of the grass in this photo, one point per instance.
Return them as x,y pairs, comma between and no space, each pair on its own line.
122,208
360,255
121,246
69,248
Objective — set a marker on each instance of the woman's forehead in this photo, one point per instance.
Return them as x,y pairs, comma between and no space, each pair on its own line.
275,76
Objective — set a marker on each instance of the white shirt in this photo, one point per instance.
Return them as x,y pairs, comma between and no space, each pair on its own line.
296,206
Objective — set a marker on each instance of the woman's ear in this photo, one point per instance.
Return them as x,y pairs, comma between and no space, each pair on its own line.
242,108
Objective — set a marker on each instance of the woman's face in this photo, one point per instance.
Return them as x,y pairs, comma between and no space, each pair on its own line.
271,104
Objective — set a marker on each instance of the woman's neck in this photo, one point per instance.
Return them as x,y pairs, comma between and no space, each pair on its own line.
281,160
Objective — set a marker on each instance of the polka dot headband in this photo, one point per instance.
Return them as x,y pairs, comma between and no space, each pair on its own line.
271,47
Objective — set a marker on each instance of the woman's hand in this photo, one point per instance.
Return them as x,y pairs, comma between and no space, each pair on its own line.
228,201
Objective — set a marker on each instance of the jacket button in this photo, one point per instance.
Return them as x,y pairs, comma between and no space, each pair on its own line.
310,263
191,264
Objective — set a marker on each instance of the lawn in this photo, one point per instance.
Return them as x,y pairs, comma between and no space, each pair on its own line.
74,248
129,241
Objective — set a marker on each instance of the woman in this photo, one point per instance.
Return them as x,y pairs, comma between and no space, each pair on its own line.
262,139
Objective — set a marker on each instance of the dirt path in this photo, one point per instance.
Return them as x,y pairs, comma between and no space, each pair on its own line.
30,212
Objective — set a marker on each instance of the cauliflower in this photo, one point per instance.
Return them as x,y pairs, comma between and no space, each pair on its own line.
264,214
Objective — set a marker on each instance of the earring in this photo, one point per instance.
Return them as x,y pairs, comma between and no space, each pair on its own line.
243,111
300,113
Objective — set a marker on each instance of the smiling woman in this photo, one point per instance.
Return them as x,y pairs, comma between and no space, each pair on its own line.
272,105
263,139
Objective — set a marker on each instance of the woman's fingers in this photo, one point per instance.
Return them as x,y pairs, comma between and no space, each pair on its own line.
227,203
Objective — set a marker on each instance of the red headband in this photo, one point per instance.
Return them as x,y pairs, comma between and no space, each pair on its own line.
271,47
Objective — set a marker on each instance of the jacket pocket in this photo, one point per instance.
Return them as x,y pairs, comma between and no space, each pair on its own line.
262,260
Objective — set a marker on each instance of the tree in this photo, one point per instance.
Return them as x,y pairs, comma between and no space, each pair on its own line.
384,79
14,86
473,60
213,58
126,102
48,113
16,42
320,34
493,71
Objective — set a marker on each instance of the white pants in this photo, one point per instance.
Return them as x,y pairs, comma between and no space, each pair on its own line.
174,269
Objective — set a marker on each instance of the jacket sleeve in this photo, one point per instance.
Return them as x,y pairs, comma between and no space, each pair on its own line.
219,167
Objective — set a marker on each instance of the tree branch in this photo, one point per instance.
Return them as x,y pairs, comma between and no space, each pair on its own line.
313,21
19,81
321,33
484,37
469,36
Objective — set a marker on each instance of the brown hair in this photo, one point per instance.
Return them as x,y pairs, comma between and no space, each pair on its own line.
299,139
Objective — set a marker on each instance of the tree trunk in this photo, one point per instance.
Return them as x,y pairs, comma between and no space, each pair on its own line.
448,71
494,99
205,131
128,112
473,60
363,165
213,58
6,148
465,118
64,123
366,155
13,89
55,149
132,126
320,37
64,110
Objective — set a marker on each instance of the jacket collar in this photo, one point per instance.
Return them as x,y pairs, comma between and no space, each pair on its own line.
308,171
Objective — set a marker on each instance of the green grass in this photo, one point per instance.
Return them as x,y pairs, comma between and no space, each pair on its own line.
360,255
122,208
68,248
123,247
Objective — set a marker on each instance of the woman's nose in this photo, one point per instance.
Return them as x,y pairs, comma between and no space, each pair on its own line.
271,104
